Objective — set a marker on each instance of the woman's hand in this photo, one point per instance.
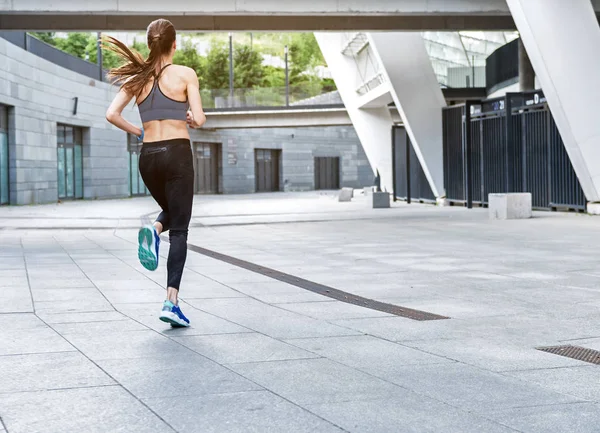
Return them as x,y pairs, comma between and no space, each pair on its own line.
190,120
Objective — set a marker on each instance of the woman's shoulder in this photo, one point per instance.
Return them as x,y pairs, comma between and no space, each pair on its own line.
184,71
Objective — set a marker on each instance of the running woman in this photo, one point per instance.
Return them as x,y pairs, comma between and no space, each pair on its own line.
168,98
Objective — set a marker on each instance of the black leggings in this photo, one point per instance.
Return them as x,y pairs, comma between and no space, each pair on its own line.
168,171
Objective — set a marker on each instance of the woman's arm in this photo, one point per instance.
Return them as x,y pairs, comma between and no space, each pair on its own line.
198,118
113,114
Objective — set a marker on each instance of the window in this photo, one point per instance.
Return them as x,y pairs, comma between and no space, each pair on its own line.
136,183
70,162
4,166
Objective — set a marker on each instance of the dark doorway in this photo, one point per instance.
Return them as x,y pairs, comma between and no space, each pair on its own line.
136,183
267,170
327,172
70,162
207,168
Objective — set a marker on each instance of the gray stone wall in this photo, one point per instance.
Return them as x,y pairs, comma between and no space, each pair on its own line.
299,147
40,95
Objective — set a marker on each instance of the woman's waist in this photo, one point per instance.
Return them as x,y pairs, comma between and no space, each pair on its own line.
165,130
166,143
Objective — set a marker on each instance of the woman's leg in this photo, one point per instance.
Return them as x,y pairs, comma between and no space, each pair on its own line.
151,169
180,195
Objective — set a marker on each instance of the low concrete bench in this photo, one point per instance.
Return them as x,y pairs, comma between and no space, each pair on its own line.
346,194
510,206
381,200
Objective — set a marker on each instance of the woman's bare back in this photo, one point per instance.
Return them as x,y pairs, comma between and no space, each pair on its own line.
173,84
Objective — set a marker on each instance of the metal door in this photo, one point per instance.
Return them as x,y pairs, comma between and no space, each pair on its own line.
327,173
267,170
207,168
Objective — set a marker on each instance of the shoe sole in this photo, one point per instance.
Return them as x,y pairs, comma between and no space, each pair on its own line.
172,318
145,253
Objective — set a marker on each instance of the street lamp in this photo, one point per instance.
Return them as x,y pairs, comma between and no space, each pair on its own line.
231,66
99,57
287,79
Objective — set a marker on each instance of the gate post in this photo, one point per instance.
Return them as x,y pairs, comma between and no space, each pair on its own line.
468,146
510,142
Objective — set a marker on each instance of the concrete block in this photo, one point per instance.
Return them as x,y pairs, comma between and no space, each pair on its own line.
346,194
381,200
593,208
510,206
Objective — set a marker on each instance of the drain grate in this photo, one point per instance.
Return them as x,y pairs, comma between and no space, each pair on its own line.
574,352
321,289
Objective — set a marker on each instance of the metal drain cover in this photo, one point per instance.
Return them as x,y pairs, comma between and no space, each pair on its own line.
574,352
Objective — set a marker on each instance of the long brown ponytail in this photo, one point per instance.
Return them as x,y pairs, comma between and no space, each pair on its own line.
137,72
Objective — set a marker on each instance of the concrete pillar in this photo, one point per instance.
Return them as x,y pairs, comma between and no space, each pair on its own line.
373,125
526,72
562,39
417,95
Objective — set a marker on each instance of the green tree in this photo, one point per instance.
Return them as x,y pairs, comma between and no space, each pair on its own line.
74,44
217,69
187,55
141,47
273,77
248,71
47,37
109,59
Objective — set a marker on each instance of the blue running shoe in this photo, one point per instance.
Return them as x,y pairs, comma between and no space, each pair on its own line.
172,314
149,241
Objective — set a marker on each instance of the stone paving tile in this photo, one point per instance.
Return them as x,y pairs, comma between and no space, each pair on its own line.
80,306
493,355
136,345
312,381
10,322
572,418
125,295
581,382
268,319
15,299
405,412
116,284
369,354
102,316
92,329
201,323
247,347
244,412
473,389
290,298
32,340
93,410
71,295
175,377
40,283
332,310
38,372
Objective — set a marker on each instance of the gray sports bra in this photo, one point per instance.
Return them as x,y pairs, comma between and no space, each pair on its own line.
158,106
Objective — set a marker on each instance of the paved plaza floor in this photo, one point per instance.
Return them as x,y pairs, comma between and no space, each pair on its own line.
82,349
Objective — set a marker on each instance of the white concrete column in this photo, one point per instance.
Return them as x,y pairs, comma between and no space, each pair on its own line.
562,39
373,125
417,95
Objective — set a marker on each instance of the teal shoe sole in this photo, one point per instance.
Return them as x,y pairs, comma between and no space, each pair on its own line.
145,253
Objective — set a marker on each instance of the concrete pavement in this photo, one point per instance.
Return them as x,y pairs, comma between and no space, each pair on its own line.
81,348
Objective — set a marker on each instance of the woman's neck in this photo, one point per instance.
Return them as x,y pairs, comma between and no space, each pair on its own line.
166,60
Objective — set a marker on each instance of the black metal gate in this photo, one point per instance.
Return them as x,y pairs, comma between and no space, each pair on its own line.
454,153
518,152
410,181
